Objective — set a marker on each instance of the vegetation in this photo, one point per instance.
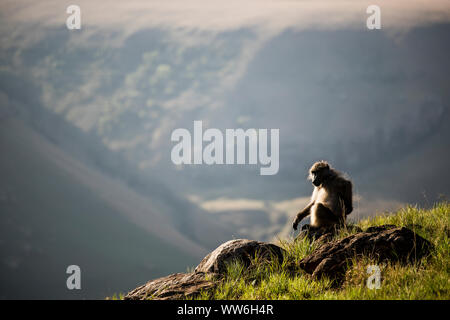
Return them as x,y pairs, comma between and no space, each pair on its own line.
427,278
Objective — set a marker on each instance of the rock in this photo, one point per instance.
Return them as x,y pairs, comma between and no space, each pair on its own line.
240,249
380,228
172,287
205,275
324,234
383,243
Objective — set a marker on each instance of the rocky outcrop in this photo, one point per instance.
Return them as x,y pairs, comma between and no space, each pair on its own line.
324,234
382,243
241,249
330,259
174,286
205,275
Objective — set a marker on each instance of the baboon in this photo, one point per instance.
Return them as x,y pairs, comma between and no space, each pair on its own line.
331,200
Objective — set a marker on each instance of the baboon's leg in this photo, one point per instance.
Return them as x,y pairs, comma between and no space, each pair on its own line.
325,217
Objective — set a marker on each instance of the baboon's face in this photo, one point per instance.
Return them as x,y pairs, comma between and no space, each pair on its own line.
317,177
318,174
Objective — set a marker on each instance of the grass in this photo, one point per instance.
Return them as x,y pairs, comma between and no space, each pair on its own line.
427,278
119,296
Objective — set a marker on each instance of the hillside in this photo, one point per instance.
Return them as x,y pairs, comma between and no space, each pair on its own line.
62,202
428,278
50,219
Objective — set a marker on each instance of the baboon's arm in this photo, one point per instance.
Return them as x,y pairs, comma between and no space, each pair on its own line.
347,197
302,214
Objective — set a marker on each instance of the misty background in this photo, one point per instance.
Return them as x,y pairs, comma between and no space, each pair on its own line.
86,118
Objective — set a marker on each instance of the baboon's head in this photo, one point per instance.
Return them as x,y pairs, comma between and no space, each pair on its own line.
319,172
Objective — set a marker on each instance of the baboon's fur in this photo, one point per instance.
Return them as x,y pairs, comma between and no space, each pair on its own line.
331,200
